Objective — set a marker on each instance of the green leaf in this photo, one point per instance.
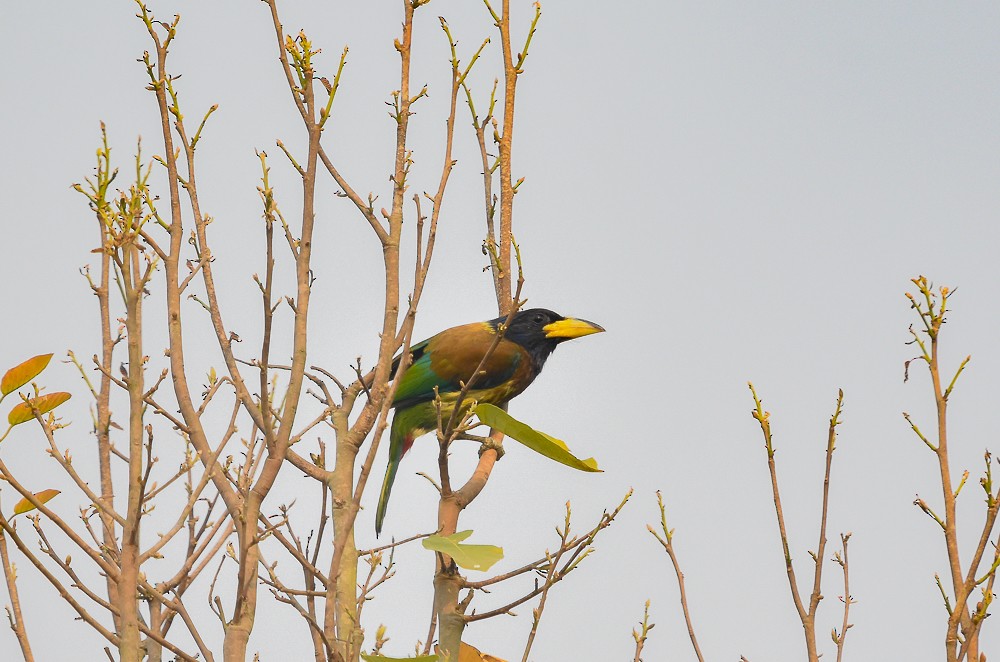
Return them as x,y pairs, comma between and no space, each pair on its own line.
549,446
21,374
24,505
470,557
22,412
383,658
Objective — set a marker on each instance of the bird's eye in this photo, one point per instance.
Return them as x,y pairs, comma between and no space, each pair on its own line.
539,319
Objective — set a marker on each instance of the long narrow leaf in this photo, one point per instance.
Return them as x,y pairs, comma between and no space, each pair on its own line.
550,447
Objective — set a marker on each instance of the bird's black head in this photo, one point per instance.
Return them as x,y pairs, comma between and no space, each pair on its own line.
539,330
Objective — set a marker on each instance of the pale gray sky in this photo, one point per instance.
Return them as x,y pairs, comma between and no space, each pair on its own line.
735,190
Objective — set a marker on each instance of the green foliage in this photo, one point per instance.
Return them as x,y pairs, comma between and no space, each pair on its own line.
549,446
470,557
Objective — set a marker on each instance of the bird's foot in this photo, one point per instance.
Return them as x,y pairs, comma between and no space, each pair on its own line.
492,444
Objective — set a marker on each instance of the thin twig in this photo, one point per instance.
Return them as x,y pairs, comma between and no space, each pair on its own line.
840,558
14,613
667,541
642,634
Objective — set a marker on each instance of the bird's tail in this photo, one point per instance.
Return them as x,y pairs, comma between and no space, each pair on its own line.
397,447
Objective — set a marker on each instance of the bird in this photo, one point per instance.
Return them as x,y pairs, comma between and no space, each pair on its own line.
443,363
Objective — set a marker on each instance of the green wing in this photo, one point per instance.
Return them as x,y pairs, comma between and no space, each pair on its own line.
451,357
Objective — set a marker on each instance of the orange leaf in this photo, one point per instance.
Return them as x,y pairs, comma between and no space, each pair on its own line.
20,375
467,653
22,413
24,505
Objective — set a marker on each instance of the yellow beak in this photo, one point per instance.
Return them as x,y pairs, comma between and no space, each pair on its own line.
571,328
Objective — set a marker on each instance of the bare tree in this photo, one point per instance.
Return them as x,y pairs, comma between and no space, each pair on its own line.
806,610
235,432
964,619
